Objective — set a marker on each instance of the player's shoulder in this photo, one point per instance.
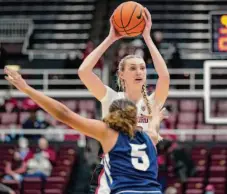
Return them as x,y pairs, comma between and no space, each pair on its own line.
109,95
112,91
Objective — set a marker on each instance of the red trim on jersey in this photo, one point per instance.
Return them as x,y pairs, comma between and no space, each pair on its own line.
100,176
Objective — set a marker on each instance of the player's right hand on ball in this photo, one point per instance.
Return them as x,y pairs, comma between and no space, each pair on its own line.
15,79
113,34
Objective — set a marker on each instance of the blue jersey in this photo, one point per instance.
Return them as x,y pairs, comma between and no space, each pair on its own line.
131,166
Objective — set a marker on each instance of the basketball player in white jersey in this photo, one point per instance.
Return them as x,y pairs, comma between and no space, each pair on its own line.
132,80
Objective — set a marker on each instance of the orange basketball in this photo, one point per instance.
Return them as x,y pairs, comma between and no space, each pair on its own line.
128,19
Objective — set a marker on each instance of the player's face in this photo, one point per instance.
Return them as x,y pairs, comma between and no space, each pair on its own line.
134,73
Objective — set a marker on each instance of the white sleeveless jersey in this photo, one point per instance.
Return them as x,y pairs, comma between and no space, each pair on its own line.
112,95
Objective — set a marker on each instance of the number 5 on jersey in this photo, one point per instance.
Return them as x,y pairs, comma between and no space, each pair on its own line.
140,160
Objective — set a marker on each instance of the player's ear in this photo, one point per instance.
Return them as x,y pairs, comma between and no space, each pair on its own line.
121,75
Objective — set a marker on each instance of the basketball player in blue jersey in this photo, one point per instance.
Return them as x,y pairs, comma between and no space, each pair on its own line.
132,80
130,160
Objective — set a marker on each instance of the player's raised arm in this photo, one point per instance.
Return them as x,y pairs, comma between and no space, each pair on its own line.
93,128
162,86
91,81
154,124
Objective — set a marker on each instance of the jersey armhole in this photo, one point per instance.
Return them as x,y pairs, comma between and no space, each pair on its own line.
152,100
109,94
114,144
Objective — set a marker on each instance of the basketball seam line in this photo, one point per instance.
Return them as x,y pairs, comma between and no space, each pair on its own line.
117,24
133,27
131,16
131,33
122,20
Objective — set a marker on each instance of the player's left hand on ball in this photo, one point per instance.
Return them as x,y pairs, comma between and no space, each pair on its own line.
15,79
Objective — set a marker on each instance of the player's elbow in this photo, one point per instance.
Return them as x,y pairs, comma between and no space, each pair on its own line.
84,68
83,73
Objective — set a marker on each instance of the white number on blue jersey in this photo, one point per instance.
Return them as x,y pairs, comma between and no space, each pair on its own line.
138,152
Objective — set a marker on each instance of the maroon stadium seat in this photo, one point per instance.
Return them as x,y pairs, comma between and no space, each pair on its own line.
194,191
15,185
218,157
204,126
222,114
32,192
201,171
185,126
222,106
195,180
32,184
218,150
188,105
217,171
8,118
187,118
52,191
55,183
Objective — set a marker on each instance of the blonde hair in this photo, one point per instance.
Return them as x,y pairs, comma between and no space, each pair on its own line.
122,117
121,84
149,106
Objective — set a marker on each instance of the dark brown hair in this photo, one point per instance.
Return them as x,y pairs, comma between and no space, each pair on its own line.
122,117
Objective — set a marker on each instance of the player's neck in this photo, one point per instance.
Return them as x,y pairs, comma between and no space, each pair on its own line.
133,95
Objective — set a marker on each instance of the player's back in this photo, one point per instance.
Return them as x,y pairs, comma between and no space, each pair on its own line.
131,166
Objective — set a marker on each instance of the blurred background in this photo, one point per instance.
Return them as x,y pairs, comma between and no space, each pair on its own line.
47,40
